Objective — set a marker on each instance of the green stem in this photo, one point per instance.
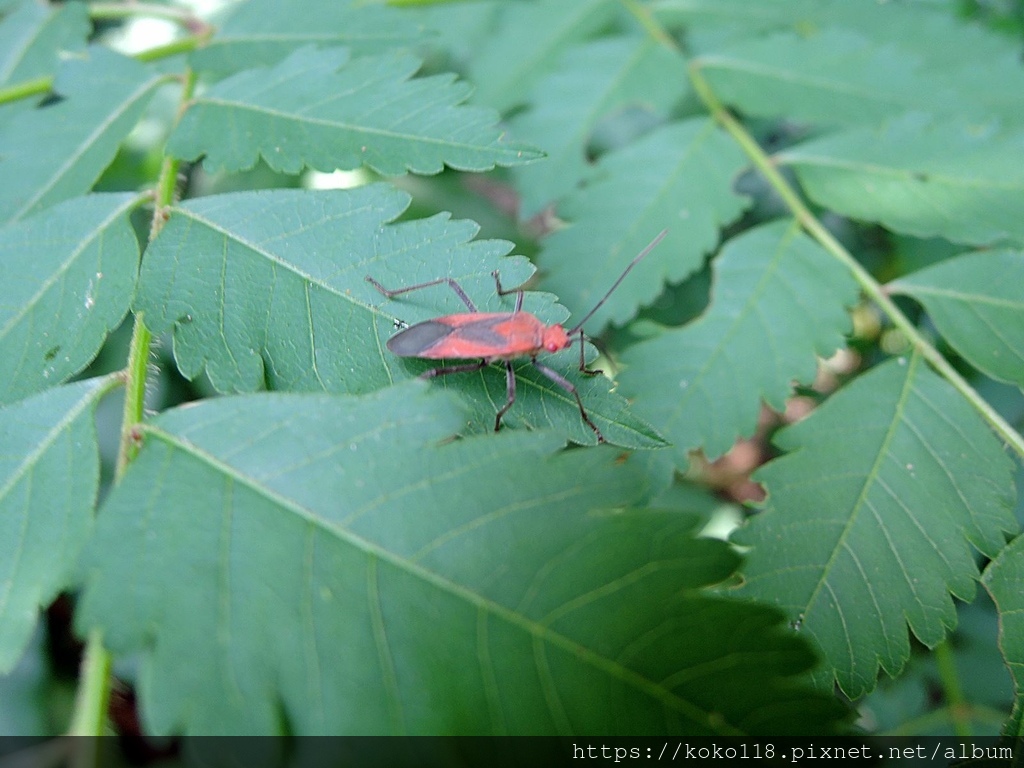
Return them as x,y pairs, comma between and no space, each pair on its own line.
126,10
956,702
26,89
89,715
868,284
173,48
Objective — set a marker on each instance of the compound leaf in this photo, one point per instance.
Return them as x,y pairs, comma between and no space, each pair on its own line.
777,302
593,81
977,303
326,110
49,475
68,275
871,518
257,34
680,177
922,178
290,307
104,97
291,557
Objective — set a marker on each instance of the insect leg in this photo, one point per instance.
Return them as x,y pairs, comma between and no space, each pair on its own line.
565,384
451,283
510,388
583,362
467,368
502,292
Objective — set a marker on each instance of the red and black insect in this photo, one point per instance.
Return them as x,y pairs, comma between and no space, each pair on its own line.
494,336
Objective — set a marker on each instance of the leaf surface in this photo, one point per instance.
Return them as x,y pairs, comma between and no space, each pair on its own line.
528,41
977,303
844,76
592,81
1004,580
104,97
326,110
258,34
68,275
778,300
268,289
292,556
677,177
949,179
33,35
49,474
872,516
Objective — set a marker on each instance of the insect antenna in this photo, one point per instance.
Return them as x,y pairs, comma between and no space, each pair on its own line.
622,277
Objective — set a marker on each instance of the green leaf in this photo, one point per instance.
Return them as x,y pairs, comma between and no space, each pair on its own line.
872,515
1004,580
977,303
931,33
680,177
56,153
25,706
592,82
777,302
288,560
68,275
259,34
33,35
290,307
49,474
949,178
325,110
842,77
528,41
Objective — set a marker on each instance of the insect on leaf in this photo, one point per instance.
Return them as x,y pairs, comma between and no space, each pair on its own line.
291,310
323,539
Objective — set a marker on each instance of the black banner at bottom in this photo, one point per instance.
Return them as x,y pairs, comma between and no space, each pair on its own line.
506,752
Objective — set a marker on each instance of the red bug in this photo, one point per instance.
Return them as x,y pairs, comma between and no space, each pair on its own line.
493,336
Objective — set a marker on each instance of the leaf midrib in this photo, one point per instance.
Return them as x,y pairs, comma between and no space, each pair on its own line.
242,106
374,551
870,478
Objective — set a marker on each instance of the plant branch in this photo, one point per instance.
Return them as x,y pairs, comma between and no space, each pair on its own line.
94,689
867,282
132,9
956,703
